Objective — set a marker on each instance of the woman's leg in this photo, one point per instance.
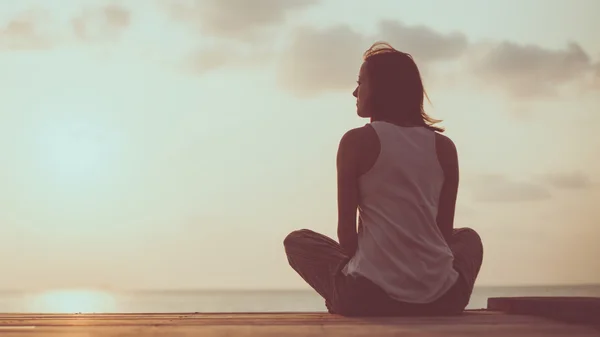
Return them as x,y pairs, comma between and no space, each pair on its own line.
317,259
467,248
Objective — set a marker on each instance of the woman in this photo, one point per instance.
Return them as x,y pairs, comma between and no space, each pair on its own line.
401,175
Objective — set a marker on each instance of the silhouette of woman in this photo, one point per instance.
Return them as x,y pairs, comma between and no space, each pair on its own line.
401,175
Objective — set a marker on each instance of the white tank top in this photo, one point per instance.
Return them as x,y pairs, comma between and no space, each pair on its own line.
400,247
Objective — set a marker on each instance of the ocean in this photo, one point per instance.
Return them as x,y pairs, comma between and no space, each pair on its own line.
99,301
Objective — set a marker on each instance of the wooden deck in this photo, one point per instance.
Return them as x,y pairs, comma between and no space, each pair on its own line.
473,323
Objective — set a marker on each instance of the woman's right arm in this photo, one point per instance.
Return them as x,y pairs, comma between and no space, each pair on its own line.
448,159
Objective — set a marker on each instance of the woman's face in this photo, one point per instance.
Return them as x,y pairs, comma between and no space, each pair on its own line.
362,93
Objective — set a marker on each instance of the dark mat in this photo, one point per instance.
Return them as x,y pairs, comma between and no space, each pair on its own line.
581,310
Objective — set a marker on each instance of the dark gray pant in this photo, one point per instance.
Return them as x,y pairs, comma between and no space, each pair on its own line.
319,260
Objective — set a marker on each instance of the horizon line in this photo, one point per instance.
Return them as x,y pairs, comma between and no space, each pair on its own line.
223,290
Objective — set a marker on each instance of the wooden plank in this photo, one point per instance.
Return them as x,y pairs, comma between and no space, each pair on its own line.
492,324
250,319
580,310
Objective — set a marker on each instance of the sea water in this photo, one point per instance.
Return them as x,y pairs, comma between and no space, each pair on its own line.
99,301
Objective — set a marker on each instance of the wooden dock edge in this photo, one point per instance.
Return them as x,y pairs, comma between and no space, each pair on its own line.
577,310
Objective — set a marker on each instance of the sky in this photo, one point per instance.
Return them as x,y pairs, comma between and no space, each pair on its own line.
174,144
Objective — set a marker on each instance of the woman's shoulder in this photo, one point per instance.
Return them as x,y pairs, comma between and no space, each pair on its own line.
444,143
447,155
359,135
361,147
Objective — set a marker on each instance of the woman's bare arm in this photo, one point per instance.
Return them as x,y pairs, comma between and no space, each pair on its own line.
347,191
448,159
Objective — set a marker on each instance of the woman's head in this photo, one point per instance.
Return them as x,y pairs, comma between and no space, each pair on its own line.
390,88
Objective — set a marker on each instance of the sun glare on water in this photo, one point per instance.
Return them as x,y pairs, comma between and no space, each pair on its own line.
73,301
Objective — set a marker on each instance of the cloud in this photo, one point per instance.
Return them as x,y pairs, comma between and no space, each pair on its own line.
321,60
423,43
205,60
498,188
220,55
101,23
235,33
495,188
529,71
35,30
575,180
328,59
235,19
596,76
24,33
318,60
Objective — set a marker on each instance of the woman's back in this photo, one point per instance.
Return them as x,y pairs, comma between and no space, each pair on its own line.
400,247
